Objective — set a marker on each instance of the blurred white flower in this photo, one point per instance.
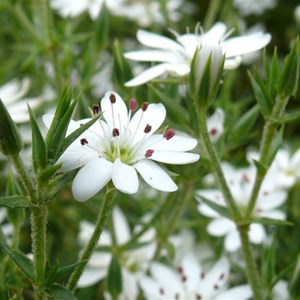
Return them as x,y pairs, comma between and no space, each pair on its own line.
12,94
175,56
115,149
255,7
280,291
297,14
191,281
134,261
215,124
7,228
240,182
70,8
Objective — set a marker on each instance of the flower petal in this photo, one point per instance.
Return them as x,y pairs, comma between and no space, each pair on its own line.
91,179
174,157
257,233
91,276
121,227
220,227
155,176
154,40
124,177
152,55
153,116
116,114
232,241
242,292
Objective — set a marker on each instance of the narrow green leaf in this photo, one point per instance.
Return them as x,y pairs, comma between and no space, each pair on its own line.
65,270
21,260
50,273
269,221
75,134
288,118
39,153
10,138
60,292
47,173
273,76
261,169
102,27
15,201
114,278
276,144
222,210
268,266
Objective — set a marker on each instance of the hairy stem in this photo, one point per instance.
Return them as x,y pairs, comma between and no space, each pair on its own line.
100,223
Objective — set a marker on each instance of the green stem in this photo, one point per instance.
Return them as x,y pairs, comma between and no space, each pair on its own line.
178,210
269,132
251,269
100,223
38,235
213,9
201,114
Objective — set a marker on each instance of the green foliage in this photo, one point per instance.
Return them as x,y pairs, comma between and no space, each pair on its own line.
114,278
15,201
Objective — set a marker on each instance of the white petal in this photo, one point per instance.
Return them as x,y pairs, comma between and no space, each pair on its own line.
124,177
215,34
153,116
91,276
174,157
271,200
274,214
232,63
232,241
206,210
245,44
154,40
155,176
121,226
91,179
116,114
176,143
14,90
220,227
191,267
150,288
242,292
257,233
152,55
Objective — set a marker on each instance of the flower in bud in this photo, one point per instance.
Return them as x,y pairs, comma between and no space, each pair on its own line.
206,71
10,138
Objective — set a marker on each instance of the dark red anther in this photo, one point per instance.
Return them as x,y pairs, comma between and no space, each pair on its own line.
147,128
115,132
144,106
168,134
96,109
83,141
112,98
132,104
149,153
213,131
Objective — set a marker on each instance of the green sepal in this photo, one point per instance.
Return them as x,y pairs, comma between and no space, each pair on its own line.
121,69
276,144
114,278
289,75
10,138
60,292
270,221
39,153
222,210
15,201
75,134
273,76
261,94
289,118
47,173
21,260
261,169
268,265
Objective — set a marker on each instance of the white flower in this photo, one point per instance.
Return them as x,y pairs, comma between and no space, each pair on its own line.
12,94
240,183
175,56
280,290
6,228
134,262
191,282
256,7
119,147
70,8
215,124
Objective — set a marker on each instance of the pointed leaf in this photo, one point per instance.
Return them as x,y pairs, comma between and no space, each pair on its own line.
269,221
15,201
39,154
276,144
60,292
222,210
47,173
114,278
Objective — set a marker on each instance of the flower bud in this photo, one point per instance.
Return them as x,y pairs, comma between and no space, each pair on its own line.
10,138
206,72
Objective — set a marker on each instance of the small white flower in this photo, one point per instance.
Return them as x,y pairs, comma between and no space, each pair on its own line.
6,228
119,147
191,282
133,262
12,94
175,56
215,125
256,7
240,183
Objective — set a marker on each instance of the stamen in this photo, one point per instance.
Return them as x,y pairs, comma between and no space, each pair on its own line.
132,104
222,276
183,278
115,132
83,141
112,98
202,275
144,106
213,131
168,134
198,297
147,128
216,287
161,290
177,296
180,270
96,109
149,153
